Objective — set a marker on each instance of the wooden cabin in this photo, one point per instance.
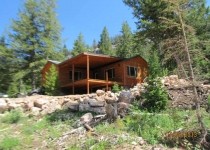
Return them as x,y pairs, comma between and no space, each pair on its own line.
88,72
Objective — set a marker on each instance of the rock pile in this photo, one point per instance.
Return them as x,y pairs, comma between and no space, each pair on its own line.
181,92
41,104
113,104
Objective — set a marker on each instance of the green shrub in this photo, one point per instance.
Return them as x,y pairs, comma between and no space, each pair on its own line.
102,145
13,116
116,88
9,143
155,97
150,126
51,81
208,100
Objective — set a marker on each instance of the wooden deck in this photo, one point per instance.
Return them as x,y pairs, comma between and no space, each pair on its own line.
90,83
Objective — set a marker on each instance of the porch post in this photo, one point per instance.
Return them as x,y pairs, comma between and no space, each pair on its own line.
88,74
73,78
107,87
124,74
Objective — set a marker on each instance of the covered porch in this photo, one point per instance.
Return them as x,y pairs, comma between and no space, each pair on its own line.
82,73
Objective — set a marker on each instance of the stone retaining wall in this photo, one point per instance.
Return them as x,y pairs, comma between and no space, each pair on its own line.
100,102
42,104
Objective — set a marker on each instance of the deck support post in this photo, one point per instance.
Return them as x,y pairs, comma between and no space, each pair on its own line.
88,75
124,74
107,87
73,78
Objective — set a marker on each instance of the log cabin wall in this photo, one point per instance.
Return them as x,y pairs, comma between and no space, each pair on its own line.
117,76
121,71
65,74
142,68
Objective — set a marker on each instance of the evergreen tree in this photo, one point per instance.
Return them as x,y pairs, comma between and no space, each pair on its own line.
105,44
142,47
79,45
159,23
66,53
155,69
125,46
51,81
199,17
35,38
6,65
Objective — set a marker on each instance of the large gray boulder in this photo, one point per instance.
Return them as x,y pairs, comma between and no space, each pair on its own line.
98,110
126,97
122,108
111,111
86,118
84,107
95,103
72,105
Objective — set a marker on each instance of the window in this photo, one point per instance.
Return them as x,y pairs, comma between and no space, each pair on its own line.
77,75
132,71
111,73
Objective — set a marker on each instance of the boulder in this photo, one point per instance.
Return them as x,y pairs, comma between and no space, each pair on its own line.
51,107
111,111
93,95
84,107
35,111
99,98
122,108
98,110
40,102
72,105
110,100
100,92
29,105
12,105
86,118
108,93
3,106
126,96
95,103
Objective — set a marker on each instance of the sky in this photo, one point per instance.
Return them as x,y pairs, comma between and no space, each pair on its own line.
88,17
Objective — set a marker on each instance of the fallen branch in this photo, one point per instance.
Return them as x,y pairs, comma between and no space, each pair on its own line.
88,127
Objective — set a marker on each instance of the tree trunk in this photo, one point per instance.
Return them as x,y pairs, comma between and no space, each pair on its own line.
192,77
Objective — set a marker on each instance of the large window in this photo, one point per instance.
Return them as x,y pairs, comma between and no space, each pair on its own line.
111,73
77,75
132,71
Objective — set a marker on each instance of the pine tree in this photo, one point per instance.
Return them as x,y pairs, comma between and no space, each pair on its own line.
35,38
125,46
155,69
105,44
51,81
142,47
6,65
199,18
79,45
66,53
